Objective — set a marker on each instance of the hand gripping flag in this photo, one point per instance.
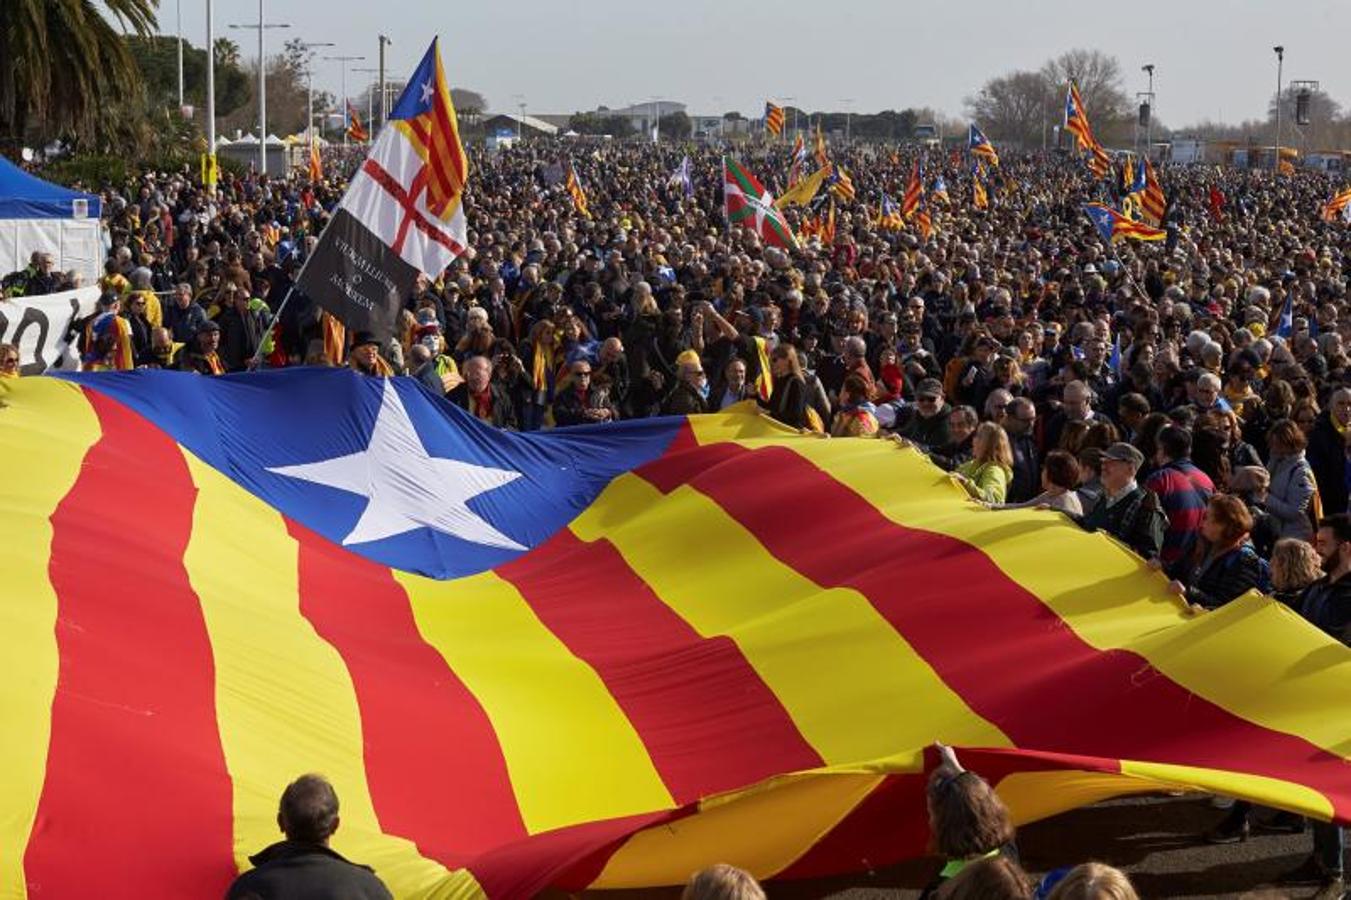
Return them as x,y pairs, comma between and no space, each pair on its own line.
401,215
496,647
355,130
773,119
1113,226
748,204
979,146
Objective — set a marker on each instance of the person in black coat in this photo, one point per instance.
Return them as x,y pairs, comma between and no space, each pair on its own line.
690,394
304,867
1223,565
788,398
1327,452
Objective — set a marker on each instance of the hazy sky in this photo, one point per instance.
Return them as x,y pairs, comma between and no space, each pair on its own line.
1213,57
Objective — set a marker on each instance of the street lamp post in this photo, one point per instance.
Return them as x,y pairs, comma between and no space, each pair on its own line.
309,84
848,114
180,56
1148,69
1280,66
656,119
210,84
384,105
370,98
520,104
262,26
344,60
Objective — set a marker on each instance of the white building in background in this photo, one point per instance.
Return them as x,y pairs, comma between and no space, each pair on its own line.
644,116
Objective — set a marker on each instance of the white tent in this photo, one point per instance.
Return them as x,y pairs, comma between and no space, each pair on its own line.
37,215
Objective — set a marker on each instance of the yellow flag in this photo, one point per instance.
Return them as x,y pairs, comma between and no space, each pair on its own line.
802,193
209,169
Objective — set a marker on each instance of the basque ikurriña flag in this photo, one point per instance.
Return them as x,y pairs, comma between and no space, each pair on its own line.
402,213
596,657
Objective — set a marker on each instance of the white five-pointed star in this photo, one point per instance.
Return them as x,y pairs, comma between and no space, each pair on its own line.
426,91
404,487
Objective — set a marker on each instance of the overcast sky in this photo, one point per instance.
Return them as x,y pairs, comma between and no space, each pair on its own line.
1213,57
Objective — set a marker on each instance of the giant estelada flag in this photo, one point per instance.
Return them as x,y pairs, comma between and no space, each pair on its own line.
403,212
597,657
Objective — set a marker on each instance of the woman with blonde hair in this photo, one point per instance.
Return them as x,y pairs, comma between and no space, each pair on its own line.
722,882
986,476
1295,565
1094,881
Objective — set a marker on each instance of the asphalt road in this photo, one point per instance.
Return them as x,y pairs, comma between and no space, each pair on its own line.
1158,840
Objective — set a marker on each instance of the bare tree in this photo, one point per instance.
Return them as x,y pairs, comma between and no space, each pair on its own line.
1325,129
1101,86
1018,107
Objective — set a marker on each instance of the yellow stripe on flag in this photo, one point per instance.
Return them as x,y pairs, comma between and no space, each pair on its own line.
48,420
572,754
766,830
1129,607
811,646
284,699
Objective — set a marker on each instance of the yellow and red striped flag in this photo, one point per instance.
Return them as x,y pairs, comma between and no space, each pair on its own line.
1076,123
1338,207
773,119
315,167
822,157
1153,202
355,130
495,647
578,193
914,191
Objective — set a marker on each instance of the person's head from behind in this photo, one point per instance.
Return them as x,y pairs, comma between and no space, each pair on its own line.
1285,439
722,882
309,810
966,817
1295,565
854,391
1094,881
1251,483
994,878
1174,443
1226,522
1060,470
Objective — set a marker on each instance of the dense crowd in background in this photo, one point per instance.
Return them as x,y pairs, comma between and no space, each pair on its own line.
1153,391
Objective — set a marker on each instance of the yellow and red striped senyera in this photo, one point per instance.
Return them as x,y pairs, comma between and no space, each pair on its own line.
738,649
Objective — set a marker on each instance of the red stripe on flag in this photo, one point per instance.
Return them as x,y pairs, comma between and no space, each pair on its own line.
137,799
692,700
968,620
433,762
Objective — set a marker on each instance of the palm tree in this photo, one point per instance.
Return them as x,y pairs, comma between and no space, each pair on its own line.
65,62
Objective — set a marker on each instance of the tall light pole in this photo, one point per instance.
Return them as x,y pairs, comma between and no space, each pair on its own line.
344,60
1280,67
384,105
210,86
656,119
180,56
310,47
370,99
1148,69
848,114
262,25
520,103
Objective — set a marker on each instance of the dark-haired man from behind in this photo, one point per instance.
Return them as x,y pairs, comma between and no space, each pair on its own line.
303,867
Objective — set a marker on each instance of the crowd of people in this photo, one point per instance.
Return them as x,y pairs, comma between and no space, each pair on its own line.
1189,397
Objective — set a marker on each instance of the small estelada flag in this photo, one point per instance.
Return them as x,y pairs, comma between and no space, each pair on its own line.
403,213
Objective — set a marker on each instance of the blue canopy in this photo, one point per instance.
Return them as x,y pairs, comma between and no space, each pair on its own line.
24,196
